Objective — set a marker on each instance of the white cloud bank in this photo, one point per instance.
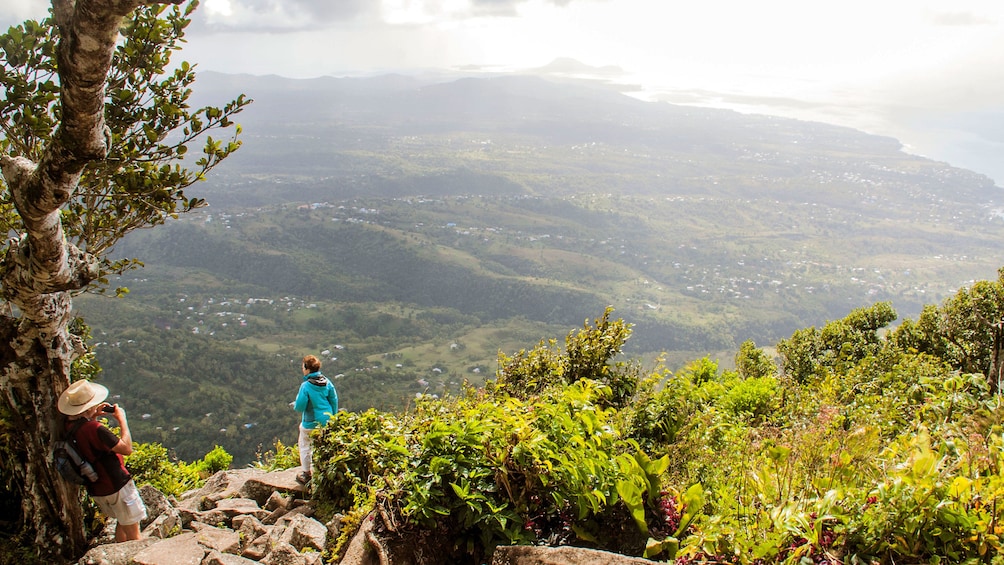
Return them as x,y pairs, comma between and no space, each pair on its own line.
916,69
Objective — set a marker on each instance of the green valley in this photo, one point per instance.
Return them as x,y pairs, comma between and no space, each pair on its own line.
409,231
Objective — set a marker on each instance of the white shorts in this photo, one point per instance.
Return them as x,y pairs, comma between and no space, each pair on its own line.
126,505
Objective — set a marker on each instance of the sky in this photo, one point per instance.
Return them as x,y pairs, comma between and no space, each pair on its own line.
928,72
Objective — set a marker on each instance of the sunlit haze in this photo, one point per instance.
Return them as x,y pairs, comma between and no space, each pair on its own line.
930,73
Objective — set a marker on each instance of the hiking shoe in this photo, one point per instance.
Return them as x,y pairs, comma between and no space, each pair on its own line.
303,478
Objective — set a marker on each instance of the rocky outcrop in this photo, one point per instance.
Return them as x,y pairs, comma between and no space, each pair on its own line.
249,517
239,517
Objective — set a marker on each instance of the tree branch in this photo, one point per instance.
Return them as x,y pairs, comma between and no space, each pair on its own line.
42,261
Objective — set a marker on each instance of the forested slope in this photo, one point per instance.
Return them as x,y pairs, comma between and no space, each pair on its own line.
425,225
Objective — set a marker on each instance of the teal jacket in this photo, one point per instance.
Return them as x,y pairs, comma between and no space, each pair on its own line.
317,400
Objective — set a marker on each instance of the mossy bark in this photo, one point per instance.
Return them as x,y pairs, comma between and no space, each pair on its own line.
42,269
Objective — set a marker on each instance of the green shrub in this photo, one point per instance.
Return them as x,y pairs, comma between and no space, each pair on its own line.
149,463
588,354
753,399
810,353
861,452
491,469
214,461
356,453
664,404
752,363
702,371
280,457
925,508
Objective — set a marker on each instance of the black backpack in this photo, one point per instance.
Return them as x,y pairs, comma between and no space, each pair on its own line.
69,463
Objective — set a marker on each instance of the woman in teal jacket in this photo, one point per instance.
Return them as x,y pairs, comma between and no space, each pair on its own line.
317,401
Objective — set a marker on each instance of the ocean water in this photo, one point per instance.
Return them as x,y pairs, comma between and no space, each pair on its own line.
971,139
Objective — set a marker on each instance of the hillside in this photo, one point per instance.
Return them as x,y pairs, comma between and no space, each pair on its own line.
412,228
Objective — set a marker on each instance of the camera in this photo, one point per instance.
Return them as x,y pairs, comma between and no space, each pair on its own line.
108,409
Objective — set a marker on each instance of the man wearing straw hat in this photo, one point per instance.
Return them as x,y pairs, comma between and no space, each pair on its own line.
114,492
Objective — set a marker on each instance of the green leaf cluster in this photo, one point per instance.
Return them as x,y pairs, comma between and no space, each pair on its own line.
837,346
965,331
141,181
585,356
278,458
151,463
869,453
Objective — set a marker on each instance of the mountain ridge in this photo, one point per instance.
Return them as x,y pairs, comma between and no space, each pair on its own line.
425,226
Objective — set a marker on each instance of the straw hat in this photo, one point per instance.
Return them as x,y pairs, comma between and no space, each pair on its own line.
80,397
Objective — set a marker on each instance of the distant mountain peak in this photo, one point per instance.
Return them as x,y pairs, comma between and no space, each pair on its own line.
567,65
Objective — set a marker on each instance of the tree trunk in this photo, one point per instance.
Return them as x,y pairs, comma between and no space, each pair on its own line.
35,373
41,269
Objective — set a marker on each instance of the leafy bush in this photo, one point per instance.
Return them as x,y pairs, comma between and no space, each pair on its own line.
280,457
885,454
496,470
660,410
926,507
863,450
216,460
587,355
752,399
355,454
752,363
504,465
149,463
839,345
702,371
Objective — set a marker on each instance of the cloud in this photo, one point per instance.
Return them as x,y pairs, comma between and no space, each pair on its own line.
277,15
963,19
13,12
494,7
283,16
299,15
318,10
508,7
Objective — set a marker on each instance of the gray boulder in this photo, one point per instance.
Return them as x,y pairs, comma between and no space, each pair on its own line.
216,558
115,553
536,555
156,504
302,532
221,539
224,484
284,554
261,486
179,550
